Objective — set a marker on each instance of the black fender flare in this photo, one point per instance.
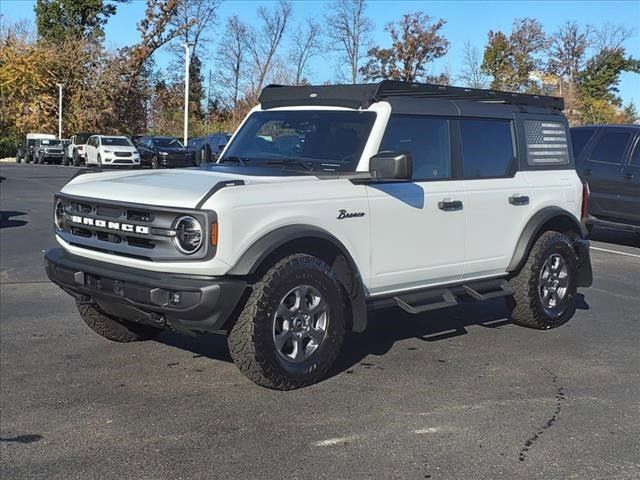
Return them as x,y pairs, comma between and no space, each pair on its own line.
533,229
344,267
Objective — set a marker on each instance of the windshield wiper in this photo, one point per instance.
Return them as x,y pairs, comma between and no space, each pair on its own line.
287,162
235,159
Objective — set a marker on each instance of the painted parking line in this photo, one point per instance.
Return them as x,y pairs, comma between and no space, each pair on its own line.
615,251
336,441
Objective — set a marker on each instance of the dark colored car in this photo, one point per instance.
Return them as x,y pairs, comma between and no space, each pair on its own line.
48,151
215,141
608,159
164,152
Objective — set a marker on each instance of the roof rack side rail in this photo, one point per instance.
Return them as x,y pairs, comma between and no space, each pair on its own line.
392,88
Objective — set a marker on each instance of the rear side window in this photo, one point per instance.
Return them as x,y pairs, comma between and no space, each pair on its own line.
579,140
426,139
635,158
487,148
546,142
610,148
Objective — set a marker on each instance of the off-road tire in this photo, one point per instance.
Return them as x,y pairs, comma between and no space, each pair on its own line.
66,161
251,340
76,159
111,328
526,305
18,158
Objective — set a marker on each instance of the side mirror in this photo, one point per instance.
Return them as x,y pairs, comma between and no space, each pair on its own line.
390,165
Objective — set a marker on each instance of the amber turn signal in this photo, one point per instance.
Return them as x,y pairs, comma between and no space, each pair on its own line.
214,234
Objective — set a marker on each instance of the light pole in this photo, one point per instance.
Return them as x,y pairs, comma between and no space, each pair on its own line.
60,85
186,91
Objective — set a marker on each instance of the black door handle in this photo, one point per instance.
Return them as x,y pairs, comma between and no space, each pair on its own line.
450,205
628,176
519,200
587,172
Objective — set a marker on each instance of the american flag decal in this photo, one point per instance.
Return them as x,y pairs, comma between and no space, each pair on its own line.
546,142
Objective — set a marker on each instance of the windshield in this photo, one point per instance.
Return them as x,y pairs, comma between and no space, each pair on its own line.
167,142
82,138
50,142
329,140
116,141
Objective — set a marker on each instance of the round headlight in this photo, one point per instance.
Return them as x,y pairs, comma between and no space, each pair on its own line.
58,214
188,237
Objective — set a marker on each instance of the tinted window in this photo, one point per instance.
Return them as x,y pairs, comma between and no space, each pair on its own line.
81,138
426,139
116,141
487,148
320,139
547,142
579,140
635,158
167,142
610,148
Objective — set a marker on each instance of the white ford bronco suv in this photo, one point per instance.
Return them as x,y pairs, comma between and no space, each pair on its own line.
327,202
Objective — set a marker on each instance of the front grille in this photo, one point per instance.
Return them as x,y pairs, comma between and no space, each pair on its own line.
123,161
134,231
122,154
53,151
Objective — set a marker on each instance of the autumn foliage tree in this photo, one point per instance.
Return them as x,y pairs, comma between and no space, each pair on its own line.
416,41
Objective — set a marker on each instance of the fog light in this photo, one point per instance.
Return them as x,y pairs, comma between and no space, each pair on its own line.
175,298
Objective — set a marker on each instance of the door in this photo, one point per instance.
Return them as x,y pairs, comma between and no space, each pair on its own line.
603,172
145,151
418,229
91,151
498,198
630,185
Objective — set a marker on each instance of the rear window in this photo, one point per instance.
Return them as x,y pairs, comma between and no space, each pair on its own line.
426,139
546,142
610,148
579,140
487,148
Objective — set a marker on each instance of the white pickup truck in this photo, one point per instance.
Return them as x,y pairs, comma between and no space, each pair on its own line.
327,202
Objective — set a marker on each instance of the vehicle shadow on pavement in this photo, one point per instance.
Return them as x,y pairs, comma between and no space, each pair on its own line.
618,237
386,327
6,220
389,326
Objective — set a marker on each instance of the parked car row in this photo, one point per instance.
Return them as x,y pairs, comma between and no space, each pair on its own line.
120,151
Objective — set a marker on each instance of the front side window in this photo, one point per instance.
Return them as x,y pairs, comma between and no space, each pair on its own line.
426,139
326,140
610,148
487,148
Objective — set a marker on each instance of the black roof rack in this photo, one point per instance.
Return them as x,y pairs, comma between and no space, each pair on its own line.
362,96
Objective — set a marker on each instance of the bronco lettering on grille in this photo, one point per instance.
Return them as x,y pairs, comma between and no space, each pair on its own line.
122,227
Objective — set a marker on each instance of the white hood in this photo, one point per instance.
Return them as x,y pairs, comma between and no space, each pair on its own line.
182,188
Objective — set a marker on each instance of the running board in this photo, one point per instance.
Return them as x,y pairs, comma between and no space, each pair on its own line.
437,298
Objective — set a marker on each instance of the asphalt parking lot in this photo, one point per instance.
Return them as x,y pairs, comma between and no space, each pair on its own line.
453,394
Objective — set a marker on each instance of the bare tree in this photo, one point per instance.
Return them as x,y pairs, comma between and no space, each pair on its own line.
231,59
264,41
306,45
350,30
471,74
612,37
567,52
197,17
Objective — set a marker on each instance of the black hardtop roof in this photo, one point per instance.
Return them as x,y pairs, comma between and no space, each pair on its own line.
364,95
616,126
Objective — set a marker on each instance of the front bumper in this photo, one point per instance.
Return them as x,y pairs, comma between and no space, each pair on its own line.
204,304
